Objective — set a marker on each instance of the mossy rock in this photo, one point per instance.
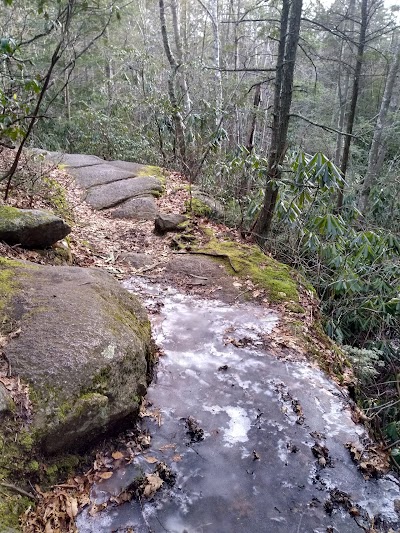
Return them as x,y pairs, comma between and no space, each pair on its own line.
84,350
204,205
31,228
250,262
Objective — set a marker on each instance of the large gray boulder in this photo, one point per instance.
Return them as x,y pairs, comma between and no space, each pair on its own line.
84,350
93,175
114,193
31,228
141,208
205,205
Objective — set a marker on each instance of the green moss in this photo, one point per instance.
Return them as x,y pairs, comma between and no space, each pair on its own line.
198,208
295,308
8,286
9,213
249,262
52,473
100,382
33,466
26,440
56,196
150,170
155,172
12,506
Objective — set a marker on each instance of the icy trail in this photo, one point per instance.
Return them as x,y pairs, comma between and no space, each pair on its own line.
259,416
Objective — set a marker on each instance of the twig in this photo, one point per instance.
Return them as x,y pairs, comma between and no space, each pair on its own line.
23,492
322,126
392,445
198,277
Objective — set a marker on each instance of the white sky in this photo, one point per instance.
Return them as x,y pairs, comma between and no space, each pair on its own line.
388,3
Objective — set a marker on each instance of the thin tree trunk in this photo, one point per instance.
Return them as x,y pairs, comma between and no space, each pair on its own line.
217,61
344,92
177,117
54,60
289,38
375,159
212,12
108,69
180,56
354,98
244,184
253,121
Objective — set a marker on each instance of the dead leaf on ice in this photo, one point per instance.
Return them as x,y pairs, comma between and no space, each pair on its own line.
152,484
151,460
117,455
105,475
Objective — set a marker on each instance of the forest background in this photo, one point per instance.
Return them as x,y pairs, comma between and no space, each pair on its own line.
287,112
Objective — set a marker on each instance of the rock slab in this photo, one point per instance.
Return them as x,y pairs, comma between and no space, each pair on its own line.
31,228
142,208
84,350
169,222
130,186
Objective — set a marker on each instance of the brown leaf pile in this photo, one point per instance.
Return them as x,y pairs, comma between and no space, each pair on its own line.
58,508
371,459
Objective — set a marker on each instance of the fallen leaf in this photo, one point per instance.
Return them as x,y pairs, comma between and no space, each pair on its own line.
71,507
176,458
105,475
153,483
117,455
151,460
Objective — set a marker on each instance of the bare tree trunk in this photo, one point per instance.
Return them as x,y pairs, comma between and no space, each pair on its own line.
354,98
108,69
253,121
217,61
375,159
343,91
289,38
176,21
178,121
243,189
212,12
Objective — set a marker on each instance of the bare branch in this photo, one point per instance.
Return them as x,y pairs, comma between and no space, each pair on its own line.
241,69
322,126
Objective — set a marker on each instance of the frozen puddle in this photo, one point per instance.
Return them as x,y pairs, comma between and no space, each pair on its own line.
254,470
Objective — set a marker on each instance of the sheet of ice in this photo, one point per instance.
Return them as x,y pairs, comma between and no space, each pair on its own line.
255,470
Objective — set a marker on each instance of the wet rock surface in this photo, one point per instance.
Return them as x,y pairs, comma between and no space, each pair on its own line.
256,443
111,183
84,350
31,228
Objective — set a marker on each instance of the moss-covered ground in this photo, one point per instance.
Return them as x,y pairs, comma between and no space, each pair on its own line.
250,262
